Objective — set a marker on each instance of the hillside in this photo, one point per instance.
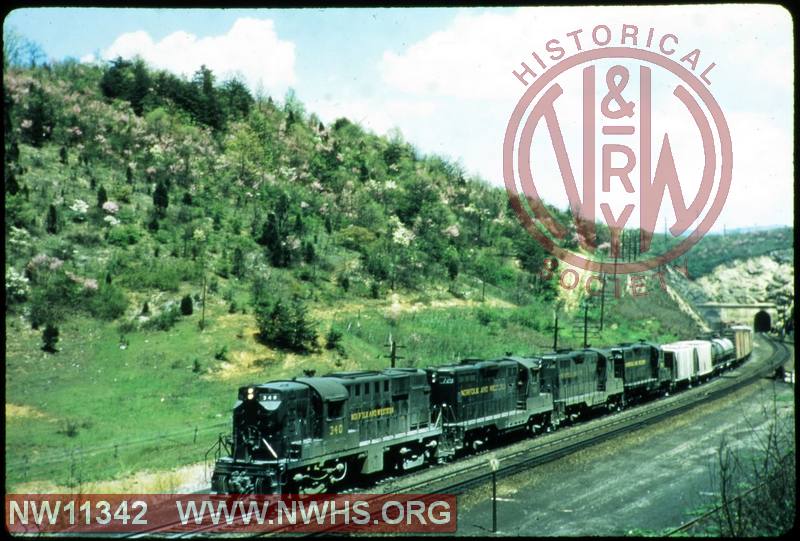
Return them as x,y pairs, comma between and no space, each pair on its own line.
168,240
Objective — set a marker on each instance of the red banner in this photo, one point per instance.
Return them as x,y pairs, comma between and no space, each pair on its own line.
118,513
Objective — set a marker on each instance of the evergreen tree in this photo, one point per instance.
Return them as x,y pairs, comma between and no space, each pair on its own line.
49,338
51,221
285,326
102,196
186,305
129,174
452,265
160,198
140,86
309,253
238,262
12,186
41,114
13,151
63,155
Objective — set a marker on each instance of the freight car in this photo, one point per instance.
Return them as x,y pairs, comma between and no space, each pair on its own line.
703,368
723,354
742,338
681,361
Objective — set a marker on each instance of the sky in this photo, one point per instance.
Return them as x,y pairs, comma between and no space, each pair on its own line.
443,76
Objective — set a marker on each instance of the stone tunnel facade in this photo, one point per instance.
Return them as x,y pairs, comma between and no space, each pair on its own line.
721,314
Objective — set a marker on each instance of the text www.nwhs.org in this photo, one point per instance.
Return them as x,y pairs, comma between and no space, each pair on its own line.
164,512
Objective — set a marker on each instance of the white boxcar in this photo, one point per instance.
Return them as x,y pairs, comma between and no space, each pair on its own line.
704,365
680,359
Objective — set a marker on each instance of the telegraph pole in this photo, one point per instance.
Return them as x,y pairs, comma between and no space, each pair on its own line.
602,302
585,321
392,345
555,331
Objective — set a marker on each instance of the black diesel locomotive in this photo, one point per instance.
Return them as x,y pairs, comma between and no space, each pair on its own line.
311,434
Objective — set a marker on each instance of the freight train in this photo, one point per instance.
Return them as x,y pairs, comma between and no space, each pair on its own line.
313,434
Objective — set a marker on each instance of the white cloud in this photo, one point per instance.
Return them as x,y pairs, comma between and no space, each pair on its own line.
475,55
251,49
468,65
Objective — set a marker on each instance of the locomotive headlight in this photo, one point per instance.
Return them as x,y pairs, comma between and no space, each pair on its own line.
249,393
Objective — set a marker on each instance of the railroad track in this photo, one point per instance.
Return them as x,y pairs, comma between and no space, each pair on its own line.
530,453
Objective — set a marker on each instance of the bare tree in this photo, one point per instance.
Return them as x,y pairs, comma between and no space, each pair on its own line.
757,486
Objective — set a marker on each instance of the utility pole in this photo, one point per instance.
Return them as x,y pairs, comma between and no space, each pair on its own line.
203,314
392,345
602,302
555,331
585,322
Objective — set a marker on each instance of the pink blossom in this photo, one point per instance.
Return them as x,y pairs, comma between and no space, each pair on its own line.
110,207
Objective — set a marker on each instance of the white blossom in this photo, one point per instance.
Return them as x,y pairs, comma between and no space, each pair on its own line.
80,206
110,207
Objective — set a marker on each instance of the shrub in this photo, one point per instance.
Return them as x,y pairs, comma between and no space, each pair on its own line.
356,238
333,338
165,320
123,235
128,326
484,316
222,353
186,305
69,428
110,302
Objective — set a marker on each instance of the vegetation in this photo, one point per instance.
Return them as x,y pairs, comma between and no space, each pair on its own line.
307,244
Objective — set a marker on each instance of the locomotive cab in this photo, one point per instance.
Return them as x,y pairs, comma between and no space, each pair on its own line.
268,417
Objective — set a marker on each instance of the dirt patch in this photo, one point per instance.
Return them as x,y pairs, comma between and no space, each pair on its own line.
184,480
14,411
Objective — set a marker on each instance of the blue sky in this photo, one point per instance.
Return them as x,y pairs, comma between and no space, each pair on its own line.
443,75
